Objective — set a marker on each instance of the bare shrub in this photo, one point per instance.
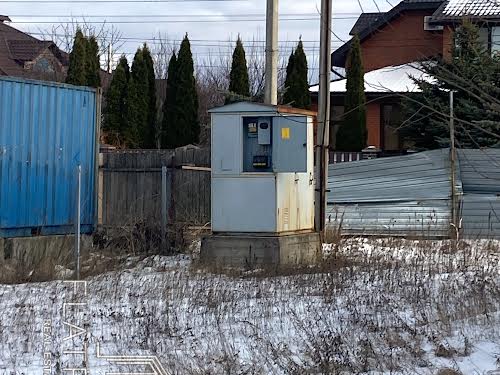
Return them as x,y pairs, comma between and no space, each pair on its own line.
448,371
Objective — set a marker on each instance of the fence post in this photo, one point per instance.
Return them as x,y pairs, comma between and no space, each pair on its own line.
164,211
77,221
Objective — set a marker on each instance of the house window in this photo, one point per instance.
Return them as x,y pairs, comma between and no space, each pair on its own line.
495,40
43,66
484,36
391,121
490,38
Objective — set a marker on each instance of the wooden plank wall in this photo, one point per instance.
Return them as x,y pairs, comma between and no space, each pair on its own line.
131,187
191,188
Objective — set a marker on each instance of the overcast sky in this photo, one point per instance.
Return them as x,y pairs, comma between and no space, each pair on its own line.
226,19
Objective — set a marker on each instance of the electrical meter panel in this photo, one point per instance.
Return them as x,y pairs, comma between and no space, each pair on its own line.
257,144
275,144
264,131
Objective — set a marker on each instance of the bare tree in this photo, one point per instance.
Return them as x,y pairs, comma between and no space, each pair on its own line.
109,37
162,47
212,81
213,71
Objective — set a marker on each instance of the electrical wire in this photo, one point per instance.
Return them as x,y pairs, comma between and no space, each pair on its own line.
116,1
352,15
168,22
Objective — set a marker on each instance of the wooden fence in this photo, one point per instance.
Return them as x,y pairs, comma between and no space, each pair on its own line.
130,187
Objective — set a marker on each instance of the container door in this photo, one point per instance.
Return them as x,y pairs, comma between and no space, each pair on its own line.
290,144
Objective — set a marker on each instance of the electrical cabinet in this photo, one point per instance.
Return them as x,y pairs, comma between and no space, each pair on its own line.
262,169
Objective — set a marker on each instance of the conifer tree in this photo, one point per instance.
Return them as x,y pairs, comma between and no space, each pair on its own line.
150,136
238,80
92,63
170,138
474,75
297,84
352,134
138,103
115,110
186,97
77,65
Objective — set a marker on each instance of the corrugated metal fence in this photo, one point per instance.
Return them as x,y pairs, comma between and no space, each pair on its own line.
411,195
46,131
480,208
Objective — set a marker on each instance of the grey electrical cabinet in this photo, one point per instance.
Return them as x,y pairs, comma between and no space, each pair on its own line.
262,169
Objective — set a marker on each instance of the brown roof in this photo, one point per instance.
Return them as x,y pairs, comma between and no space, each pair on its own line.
364,21
17,47
27,50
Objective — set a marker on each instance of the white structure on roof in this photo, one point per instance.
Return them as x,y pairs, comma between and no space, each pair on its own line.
389,79
459,8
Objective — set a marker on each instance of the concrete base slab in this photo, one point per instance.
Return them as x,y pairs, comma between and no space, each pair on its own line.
31,251
254,250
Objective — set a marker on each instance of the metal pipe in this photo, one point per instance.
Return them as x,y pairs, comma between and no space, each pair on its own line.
163,209
271,88
454,202
77,221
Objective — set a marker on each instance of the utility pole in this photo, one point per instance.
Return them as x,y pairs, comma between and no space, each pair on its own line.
271,88
323,134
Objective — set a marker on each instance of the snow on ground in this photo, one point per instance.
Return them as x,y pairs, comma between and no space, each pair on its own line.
374,306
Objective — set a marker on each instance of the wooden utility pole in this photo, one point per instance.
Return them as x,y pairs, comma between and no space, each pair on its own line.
323,133
271,88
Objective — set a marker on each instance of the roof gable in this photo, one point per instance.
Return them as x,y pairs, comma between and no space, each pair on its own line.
17,48
339,56
365,20
24,50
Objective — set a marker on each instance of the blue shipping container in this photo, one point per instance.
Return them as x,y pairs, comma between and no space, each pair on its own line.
46,131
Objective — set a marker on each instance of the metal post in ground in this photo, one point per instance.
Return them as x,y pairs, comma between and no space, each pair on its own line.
164,211
453,155
77,221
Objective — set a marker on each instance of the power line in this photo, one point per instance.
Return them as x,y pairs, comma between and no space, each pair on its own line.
115,1
166,40
174,15
177,21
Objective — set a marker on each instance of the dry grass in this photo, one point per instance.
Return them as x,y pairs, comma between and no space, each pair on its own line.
387,305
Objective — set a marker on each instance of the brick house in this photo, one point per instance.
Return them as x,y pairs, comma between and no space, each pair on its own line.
392,44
